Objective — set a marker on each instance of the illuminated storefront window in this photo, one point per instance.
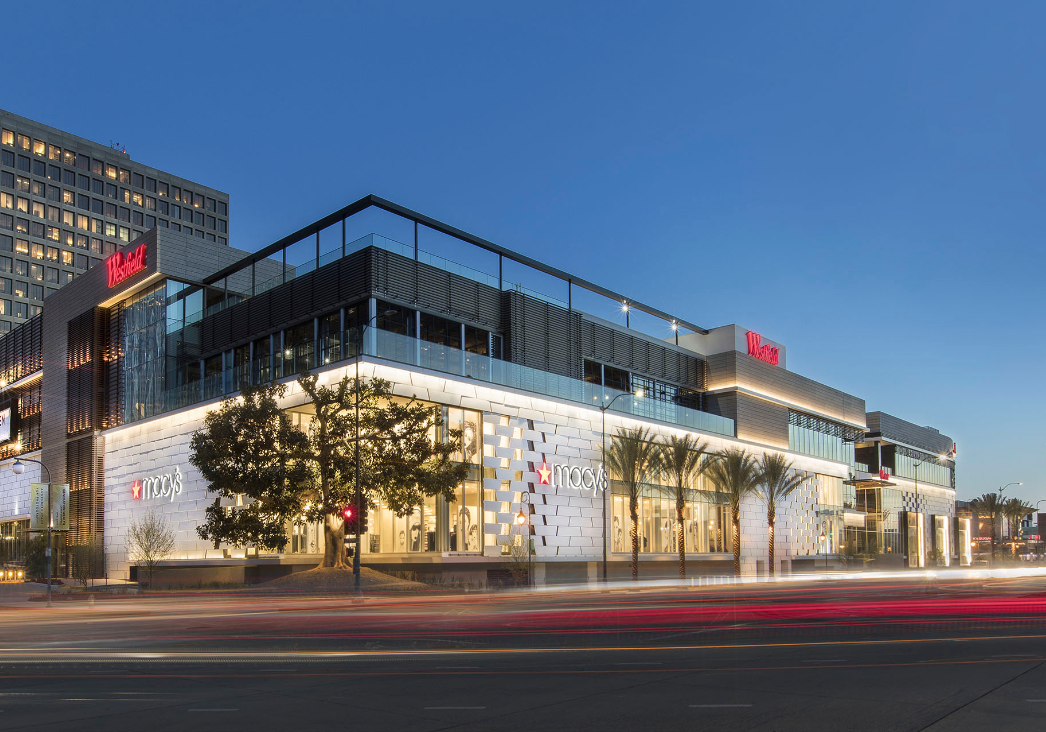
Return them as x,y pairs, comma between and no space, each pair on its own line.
706,520
435,526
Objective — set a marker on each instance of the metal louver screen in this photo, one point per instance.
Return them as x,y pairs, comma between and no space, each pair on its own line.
86,476
86,366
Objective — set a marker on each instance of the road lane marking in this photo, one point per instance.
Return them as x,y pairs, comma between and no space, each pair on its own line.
719,706
52,656
438,708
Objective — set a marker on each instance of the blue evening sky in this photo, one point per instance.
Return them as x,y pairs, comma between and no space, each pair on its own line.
861,182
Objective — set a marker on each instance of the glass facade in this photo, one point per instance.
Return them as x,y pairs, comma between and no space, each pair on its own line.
14,536
821,438
435,526
143,325
867,519
931,469
706,520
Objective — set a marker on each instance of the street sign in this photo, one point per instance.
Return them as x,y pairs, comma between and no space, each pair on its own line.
38,506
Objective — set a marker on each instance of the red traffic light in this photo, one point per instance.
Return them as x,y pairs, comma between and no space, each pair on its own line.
348,513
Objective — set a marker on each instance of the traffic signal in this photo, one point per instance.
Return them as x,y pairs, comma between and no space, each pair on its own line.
352,517
364,516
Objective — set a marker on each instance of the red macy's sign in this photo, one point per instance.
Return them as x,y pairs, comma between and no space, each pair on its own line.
121,267
763,353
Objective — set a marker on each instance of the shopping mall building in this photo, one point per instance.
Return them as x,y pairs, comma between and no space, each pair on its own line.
107,386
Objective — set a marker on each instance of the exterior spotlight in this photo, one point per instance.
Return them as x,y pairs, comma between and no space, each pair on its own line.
639,393
18,468
521,518
823,537
624,307
674,326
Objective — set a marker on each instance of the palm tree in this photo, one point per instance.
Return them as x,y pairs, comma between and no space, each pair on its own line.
682,460
778,480
633,457
1015,509
990,507
736,473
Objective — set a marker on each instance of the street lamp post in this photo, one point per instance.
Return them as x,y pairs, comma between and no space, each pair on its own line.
1007,486
918,521
18,468
359,353
1000,503
521,519
638,394
824,542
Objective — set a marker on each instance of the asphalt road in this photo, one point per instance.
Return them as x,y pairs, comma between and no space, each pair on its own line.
848,656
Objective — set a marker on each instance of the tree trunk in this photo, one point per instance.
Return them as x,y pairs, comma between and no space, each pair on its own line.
633,510
771,517
736,516
334,543
681,540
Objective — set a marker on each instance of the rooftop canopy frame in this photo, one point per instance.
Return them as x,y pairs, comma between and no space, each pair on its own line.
366,202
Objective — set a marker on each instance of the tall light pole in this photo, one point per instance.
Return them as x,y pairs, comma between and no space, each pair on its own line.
521,519
1006,517
18,468
918,520
638,394
1007,486
359,510
824,542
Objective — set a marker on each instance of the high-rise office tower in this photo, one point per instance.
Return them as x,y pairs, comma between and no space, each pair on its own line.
66,203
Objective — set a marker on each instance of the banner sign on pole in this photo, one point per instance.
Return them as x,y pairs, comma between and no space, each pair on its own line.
38,506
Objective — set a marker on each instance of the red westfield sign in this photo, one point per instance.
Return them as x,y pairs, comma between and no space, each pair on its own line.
770,354
120,266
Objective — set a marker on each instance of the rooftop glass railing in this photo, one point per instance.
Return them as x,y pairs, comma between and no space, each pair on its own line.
293,270
409,351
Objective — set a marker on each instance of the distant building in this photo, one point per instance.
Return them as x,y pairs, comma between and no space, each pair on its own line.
66,203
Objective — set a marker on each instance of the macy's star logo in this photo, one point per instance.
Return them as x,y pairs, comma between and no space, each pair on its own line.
136,490
544,474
